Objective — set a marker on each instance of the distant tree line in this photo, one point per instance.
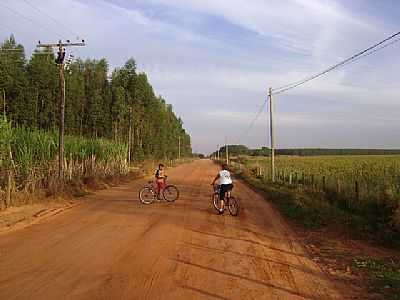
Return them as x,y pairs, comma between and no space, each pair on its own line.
317,151
235,150
121,106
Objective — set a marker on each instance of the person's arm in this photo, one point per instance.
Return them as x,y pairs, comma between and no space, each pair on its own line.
215,179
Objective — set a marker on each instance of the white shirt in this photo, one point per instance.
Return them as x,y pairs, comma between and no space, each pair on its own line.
225,177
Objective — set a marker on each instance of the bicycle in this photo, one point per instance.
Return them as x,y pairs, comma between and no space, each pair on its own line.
229,200
148,194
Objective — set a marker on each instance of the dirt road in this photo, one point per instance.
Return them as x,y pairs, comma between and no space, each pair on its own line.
112,247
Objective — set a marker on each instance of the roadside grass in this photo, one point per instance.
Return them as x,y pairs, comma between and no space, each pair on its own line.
315,211
384,276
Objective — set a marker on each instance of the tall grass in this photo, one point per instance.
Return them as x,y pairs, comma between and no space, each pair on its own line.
5,139
32,156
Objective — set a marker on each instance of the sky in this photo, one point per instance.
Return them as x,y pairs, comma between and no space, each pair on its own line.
214,61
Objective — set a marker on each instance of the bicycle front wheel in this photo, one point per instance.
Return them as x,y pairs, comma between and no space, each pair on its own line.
233,206
171,193
146,195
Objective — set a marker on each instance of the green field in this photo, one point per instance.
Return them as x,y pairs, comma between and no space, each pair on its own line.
367,175
361,192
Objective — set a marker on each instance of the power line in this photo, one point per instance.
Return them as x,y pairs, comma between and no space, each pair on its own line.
6,26
247,130
50,17
349,60
27,18
374,51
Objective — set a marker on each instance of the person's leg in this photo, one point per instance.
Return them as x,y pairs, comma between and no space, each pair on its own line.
222,197
159,189
228,191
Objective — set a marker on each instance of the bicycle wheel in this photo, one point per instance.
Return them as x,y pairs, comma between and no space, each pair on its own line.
216,202
171,193
146,195
233,206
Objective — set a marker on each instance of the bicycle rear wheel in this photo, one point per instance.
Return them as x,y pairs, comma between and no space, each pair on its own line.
216,202
171,193
233,206
146,195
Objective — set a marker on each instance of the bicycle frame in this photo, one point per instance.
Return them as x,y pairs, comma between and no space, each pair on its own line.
229,201
217,191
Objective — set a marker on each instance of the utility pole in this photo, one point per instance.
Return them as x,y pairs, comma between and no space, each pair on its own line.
179,148
4,102
217,152
271,128
226,151
130,136
60,62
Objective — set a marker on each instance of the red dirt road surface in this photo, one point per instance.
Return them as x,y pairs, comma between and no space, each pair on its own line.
113,247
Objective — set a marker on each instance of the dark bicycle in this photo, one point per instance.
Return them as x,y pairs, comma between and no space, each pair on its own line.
230,202
148,194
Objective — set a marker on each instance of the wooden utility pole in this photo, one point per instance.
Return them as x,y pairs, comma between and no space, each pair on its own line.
271,128
4,102
179,147
226,151
130,136
217,152
60,62
62,128
179,153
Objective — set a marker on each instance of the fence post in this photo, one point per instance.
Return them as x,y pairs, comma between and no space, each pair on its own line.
8,190
357,190
290,178
70,166
92,165
337,186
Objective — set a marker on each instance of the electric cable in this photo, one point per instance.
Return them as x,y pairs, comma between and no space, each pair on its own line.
347,61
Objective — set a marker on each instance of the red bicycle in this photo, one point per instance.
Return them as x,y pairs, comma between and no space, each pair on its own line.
148,194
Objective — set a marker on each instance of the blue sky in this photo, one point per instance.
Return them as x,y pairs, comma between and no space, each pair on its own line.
214,61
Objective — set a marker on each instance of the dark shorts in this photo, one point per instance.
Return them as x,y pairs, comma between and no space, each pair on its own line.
223,188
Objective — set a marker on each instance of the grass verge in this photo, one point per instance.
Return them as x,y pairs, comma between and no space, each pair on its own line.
378,276
384,276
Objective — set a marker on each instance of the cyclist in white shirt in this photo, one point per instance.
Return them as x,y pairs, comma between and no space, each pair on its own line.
225,184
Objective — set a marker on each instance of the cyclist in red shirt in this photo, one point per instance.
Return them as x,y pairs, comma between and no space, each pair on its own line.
160,180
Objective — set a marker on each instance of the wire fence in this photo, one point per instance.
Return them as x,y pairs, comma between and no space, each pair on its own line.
15,180
349,191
